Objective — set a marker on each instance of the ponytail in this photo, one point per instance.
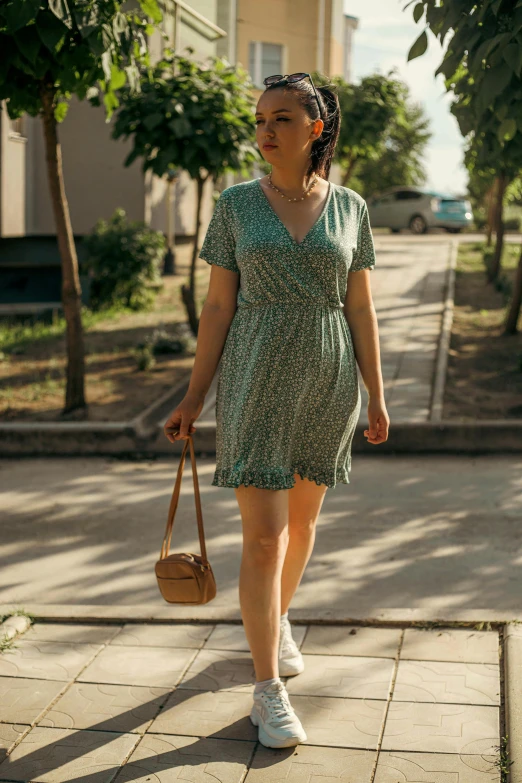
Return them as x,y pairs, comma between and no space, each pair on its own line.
323,149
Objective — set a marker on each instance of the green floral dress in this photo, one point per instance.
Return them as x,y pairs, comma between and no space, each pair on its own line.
287,397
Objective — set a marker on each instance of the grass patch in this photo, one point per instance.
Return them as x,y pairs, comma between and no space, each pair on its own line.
118,384
484,379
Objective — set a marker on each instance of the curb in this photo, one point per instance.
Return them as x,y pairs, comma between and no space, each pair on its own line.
134,441
441,366
160,612
513,698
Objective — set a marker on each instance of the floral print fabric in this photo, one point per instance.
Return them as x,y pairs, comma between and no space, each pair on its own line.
288,397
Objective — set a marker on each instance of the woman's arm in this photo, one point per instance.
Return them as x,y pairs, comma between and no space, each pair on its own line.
361,317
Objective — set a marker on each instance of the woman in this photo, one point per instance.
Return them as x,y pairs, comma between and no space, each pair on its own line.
288,320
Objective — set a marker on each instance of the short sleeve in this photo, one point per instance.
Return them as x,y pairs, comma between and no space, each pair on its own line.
364,254
219,245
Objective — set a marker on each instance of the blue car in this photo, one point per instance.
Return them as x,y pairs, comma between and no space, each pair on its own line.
419,209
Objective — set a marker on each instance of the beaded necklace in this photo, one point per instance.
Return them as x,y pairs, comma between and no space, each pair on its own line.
307,193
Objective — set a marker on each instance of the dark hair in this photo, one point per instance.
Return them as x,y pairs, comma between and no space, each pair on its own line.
323,148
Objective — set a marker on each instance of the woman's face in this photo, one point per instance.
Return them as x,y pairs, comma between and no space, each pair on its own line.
282,123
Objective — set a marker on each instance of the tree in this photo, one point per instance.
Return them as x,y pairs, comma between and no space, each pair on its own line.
51,50
197,117
401,161
367,110
482,66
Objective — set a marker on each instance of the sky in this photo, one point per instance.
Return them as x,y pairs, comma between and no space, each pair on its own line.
382,41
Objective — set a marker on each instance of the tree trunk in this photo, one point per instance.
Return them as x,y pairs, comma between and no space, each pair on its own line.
516,302
188,293
490,200
348,171
71,290
494,269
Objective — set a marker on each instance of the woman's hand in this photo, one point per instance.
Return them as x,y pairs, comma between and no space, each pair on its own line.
183,416
379,421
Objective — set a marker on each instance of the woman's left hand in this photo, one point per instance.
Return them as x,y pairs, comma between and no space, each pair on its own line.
378,420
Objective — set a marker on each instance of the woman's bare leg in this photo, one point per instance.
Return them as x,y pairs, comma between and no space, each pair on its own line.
264,515
304,504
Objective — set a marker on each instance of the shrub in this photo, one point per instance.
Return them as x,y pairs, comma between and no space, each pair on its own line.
178,339
125,261
512,224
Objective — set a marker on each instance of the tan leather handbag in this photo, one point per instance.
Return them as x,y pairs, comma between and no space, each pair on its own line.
183,577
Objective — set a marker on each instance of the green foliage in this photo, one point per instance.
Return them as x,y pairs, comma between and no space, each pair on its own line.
369,111
125,262
83,47
177,339
191,116
482,66
144,358
401,160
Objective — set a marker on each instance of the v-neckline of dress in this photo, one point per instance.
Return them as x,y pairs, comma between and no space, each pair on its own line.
313,227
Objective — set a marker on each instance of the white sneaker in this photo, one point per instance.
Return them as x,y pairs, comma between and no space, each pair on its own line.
290,659
279,726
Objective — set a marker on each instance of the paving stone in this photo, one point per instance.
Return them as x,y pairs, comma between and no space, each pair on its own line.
343,675
352,640
22,700
60,756
455,644
310,764
441,728
9,734
71,632
121,708
164,758
186,635
216,670
154,666
46,660
435,768
221,714
228,636
344,723
450,683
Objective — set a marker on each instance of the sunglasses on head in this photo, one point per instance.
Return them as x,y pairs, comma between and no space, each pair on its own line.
290,78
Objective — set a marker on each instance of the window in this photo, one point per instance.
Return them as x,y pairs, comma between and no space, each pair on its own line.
407,195
265,59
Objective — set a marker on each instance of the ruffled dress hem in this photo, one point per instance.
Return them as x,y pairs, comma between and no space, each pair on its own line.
277,478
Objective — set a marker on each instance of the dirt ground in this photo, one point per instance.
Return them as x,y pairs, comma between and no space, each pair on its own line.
32,384
484,379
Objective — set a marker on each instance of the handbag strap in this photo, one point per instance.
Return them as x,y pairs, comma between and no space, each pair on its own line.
174,503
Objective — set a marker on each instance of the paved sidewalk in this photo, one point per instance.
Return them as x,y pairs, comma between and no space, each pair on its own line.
99,703
410,538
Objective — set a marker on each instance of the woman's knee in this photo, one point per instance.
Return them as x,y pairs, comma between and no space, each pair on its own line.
302,527
266,547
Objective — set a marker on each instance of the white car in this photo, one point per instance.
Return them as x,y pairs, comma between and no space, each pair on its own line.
419,210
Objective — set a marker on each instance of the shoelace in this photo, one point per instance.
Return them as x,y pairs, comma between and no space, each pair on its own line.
278,702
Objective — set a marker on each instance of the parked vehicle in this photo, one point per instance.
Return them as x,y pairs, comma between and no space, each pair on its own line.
419,210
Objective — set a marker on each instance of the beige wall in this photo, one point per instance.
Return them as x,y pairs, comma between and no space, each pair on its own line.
13,166
96,182
291,23
334,44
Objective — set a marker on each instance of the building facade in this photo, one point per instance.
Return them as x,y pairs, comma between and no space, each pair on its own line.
275,36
